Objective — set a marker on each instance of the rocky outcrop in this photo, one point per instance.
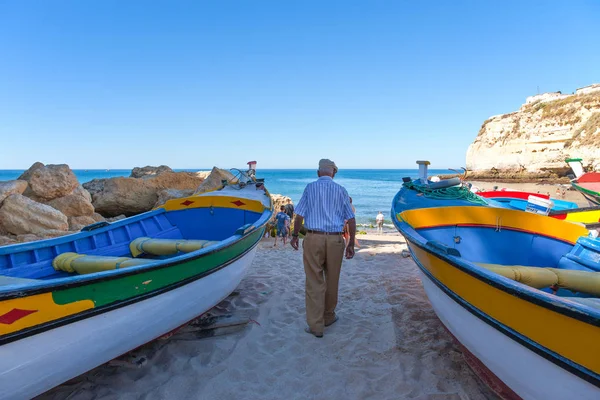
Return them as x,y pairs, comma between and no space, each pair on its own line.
20,215
278,201
214,180
149,171
165,195
130,196
536,139
11,187
127,196
76,223
94,186
76,204
47,182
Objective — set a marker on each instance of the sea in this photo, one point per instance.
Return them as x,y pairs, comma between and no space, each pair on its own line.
372,190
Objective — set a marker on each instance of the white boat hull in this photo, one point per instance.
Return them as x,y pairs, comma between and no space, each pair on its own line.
33,365
529,375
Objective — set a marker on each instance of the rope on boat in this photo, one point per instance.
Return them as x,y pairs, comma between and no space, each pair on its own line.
448,193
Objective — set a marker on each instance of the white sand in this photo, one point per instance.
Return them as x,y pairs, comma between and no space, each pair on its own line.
388,343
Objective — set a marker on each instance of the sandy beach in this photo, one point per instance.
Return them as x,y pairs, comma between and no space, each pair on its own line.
388,343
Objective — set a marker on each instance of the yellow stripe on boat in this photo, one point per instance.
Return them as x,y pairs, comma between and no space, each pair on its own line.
495,217
559,333
213,201
585,217
34,310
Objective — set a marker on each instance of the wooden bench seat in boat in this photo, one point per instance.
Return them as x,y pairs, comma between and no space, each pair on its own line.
85,264
165,247
584,256
538,277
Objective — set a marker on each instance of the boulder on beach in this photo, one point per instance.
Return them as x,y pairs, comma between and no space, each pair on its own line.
127,196
214,180
21,215
7,240
131,196
76,223
95,185
78,203
165,195
47,182
149,171
11,187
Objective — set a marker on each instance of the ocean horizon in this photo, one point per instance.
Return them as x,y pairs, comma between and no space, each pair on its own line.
372,190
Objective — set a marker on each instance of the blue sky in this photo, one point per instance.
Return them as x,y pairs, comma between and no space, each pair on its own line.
192,84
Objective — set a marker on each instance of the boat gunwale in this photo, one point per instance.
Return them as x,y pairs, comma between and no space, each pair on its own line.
557,359
24,290
43,327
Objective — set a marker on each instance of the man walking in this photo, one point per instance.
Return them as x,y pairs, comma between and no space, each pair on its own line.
324,207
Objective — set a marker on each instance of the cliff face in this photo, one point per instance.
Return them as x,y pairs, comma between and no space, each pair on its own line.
538,137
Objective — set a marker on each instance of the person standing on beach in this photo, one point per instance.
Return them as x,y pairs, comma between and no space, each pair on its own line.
281,219
323,207
289,210
379,219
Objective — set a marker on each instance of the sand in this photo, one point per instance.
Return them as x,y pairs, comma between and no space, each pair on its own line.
387,344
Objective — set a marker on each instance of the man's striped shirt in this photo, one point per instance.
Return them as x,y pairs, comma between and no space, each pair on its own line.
325,206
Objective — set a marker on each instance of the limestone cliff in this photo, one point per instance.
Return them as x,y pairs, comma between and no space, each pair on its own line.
536,139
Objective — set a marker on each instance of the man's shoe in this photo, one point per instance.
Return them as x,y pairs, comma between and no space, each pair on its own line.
317,334
332,322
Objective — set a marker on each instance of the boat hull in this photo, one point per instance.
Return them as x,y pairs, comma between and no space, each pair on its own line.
527,373
34,364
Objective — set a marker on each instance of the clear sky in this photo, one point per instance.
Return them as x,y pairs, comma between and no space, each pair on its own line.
192,84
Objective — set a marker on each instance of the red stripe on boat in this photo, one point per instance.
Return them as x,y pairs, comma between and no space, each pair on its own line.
14,315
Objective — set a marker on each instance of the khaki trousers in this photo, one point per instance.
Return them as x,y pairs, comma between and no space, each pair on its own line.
322,255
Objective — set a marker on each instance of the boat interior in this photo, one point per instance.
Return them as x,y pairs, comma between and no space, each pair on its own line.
147,238
550,255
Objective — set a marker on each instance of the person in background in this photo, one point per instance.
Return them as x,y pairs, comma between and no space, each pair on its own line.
324,206
281,218
379,219
289,208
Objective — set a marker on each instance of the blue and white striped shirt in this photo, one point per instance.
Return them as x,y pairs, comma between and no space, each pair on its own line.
325,206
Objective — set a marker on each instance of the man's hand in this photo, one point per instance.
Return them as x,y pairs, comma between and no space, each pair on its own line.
350,250
294,242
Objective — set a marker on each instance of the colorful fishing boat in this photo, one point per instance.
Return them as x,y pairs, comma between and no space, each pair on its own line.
72,303
518,200
587,183
519,291
424,193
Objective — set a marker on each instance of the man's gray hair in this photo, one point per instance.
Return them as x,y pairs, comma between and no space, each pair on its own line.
326,170
327,167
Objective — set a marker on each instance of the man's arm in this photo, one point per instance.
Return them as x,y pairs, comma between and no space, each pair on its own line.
297,224
352,231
